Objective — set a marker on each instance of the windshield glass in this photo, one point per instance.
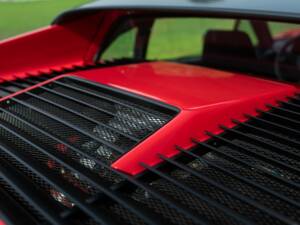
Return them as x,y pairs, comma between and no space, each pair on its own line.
260,47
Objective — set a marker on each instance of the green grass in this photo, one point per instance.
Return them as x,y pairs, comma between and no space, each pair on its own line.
17,18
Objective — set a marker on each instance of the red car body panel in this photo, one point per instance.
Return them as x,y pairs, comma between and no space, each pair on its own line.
54,47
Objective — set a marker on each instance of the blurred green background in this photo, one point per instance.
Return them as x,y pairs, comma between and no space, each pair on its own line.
17,17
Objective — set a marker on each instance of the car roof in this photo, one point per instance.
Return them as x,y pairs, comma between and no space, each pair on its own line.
286,9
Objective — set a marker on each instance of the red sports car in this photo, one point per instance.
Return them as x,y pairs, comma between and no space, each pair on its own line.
158,112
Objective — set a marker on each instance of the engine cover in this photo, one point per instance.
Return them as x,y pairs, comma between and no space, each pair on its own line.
207,98
147,109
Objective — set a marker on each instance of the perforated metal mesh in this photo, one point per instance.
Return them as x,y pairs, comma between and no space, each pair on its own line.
251,171
70,131
57,143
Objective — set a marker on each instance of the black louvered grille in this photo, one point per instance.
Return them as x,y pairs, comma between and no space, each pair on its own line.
252,170
70,131
55,164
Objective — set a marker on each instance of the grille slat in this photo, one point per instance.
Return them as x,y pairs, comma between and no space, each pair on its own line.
6,90
291,132
79,201
103,97
253,163
18,85
238,177
281,119
68,124
8,204
194,192
164,199
246,164
229,191
258,155
267,133
285,111
50,136
262,143
93,212
95,107
28,191
72,193
81,115
295,106
78,101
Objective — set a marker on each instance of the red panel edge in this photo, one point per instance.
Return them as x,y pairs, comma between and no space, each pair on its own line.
72,43
42,49
57,69
51,47
193,126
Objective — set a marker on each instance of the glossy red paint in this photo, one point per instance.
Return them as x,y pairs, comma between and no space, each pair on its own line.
206,98
297,86
2,222
54,47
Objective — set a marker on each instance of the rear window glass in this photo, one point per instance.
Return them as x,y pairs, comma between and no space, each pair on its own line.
179,37
122,47
279,29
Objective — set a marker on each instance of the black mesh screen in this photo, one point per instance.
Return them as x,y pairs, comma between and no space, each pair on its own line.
62,137
57,143
247,175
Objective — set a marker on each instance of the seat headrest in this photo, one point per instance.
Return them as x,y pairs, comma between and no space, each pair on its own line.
231,43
